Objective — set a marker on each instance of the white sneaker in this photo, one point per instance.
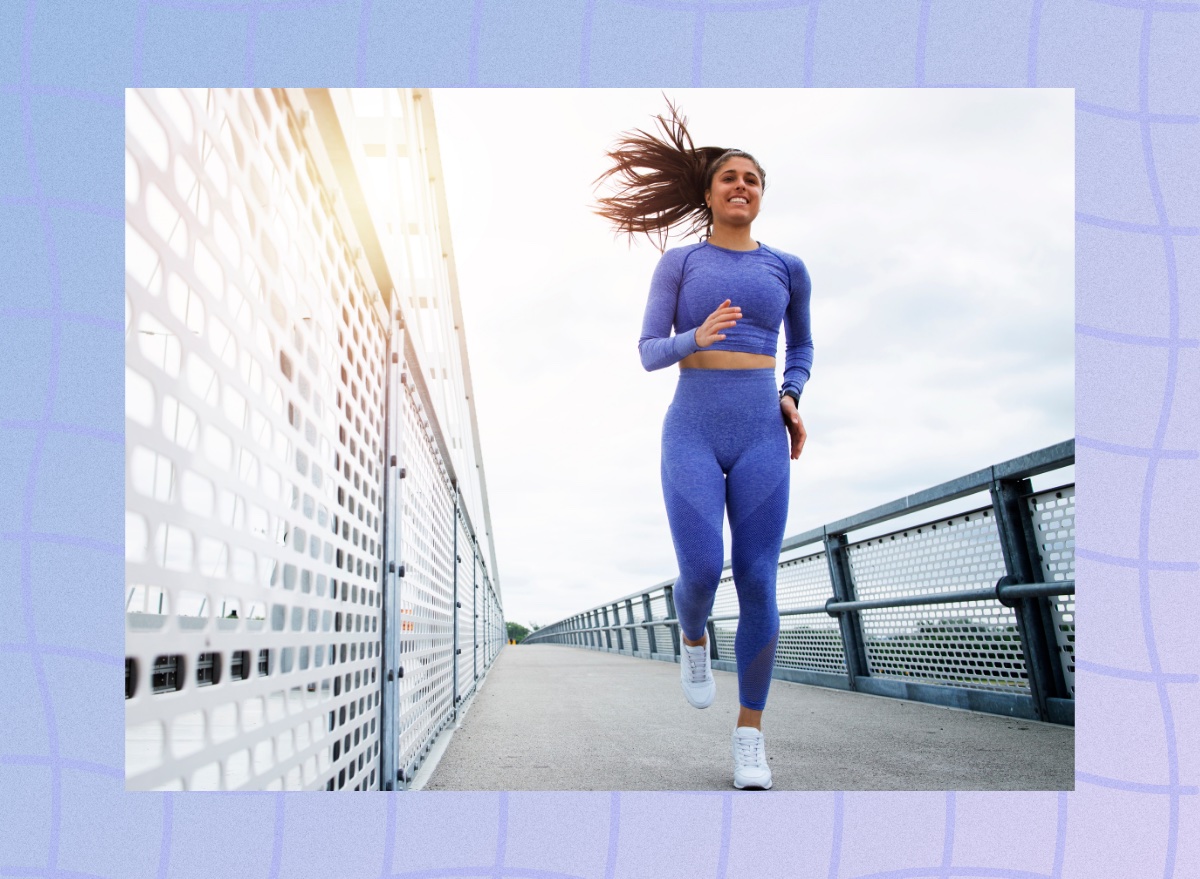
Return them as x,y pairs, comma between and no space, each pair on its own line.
695,673
750,767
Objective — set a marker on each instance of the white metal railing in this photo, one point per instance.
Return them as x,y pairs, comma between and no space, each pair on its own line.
265,609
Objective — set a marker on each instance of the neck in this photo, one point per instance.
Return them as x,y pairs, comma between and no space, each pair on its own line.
735,238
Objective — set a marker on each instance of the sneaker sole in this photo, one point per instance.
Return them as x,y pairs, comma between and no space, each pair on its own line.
767,786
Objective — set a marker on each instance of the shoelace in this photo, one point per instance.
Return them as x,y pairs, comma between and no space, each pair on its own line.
696,666
749,750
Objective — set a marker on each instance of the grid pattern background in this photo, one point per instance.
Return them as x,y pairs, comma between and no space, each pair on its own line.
253,462
1127,63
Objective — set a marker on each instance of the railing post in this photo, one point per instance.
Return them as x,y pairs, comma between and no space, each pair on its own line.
633,640
475,607
389,624
454,604
617,622
850,623
647,615
1034,621
669,592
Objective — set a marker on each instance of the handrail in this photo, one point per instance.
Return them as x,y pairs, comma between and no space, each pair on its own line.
1003,591
1046,657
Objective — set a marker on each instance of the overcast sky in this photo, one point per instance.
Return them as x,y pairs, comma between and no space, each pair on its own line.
937,226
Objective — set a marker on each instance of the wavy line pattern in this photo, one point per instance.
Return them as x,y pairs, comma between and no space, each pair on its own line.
38,786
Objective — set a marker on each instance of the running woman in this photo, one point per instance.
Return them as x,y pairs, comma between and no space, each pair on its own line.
715,308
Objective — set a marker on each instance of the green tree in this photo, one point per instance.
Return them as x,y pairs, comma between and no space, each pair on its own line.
517,632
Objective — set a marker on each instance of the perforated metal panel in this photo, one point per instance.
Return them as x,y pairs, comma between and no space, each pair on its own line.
812,642
662,634
425,606
1053,516
255,457
479,641
465,592
967,644
724,604
253,419
808,642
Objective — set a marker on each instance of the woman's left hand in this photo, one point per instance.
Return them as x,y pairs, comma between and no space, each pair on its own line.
795,425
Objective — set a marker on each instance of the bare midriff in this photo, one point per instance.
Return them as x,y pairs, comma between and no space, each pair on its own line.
727,360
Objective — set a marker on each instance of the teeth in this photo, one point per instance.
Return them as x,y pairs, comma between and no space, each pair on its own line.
738,201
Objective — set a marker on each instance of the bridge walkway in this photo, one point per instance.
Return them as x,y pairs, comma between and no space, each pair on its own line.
565,718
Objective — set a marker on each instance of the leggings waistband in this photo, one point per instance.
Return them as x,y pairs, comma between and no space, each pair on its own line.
728,376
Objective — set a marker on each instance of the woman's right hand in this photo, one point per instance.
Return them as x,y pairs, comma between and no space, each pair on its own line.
723,318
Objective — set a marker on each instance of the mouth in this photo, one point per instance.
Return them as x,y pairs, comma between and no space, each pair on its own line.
737,199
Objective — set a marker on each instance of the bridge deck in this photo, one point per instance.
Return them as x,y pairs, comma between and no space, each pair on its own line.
564,718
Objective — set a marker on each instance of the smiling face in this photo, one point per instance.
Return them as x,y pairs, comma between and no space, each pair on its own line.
735,192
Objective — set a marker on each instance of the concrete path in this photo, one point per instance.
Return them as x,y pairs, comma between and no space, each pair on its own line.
566,718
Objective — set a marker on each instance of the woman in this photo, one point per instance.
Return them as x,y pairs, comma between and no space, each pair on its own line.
727,433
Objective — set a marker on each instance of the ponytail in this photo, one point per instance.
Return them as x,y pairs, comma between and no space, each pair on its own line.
660,181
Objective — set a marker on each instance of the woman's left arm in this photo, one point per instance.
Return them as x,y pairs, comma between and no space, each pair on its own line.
798,353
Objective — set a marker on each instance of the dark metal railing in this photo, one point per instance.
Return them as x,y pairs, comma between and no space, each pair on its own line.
972,610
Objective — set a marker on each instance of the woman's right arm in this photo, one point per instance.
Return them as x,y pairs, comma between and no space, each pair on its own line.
657,346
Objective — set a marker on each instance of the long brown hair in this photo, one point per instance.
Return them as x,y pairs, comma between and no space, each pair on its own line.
660,181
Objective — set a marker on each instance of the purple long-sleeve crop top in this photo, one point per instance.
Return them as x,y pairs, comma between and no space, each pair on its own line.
771,287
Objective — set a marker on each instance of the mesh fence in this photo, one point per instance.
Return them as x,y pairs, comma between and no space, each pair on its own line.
251,601
1053,517
811,642
968,644
931,634
255,379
